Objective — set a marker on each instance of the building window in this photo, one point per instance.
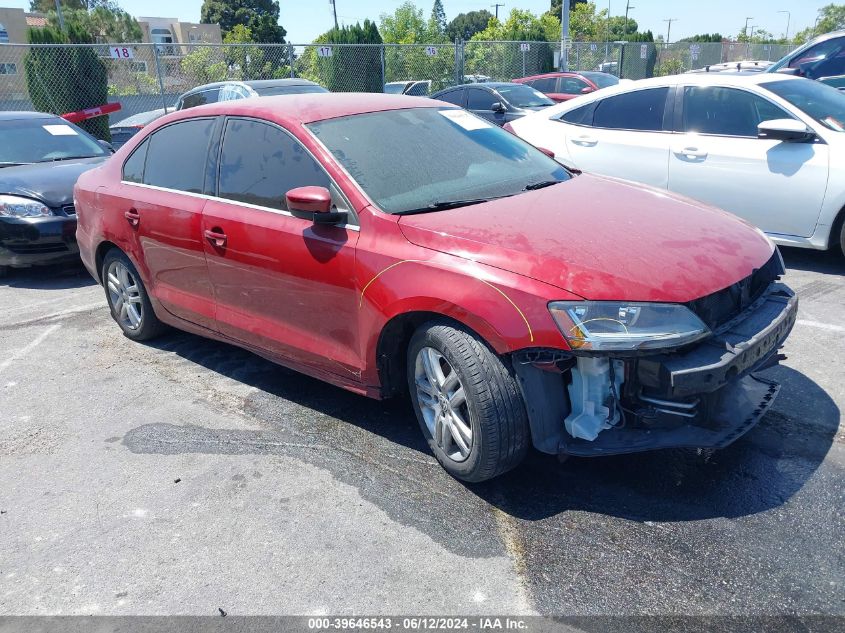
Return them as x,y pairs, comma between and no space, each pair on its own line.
163,39
4,34
8,69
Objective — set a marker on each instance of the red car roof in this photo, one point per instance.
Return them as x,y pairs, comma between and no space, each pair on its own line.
296,109
544,75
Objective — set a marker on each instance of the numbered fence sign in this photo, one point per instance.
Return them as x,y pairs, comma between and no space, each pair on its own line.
122,52
324,51
694,51
643,51
431,51
593,47
525,47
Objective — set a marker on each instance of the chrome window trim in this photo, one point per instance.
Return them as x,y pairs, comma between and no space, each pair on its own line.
202,196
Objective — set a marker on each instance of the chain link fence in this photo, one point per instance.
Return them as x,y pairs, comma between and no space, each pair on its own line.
63,78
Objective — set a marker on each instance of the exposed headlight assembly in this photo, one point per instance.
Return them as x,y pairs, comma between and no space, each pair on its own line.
17,207
607,326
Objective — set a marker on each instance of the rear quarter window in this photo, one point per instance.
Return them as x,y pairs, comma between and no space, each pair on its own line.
133,168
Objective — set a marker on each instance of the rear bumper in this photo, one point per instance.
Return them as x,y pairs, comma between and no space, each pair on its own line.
30,242
706,397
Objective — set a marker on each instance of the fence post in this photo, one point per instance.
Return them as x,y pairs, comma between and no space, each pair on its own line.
621,59
578,57
160,78
383,73
290,58
458,72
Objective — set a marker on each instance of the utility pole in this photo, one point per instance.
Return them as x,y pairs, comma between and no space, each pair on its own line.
753,26
627,8
788,20
60,16
669,28
745,30
564,35
334,8
497,5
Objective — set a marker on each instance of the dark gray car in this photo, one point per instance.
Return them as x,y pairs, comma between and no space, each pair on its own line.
498,102
230,90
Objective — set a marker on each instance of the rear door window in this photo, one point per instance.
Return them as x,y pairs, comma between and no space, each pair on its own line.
200,98
641,110
547,84
177,154
260,163
726,111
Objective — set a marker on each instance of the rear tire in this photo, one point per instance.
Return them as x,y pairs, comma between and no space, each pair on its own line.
467,401
127,298
842,235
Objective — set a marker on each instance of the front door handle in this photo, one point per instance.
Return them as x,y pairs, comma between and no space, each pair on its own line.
133,217
585,140
216,236
691,152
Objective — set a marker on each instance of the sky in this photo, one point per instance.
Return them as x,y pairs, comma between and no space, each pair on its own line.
306,19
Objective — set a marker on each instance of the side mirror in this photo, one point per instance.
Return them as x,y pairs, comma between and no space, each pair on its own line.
788,71
498,107
313,203
785,130
106,145
586,90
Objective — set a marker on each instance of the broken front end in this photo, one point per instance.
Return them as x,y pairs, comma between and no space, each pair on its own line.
643,376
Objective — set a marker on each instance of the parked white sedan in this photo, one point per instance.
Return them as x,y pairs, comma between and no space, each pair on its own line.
769,148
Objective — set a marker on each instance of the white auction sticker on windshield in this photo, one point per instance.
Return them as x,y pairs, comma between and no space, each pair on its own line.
60,130
465,119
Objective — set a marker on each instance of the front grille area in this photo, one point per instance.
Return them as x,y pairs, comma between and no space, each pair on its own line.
721,307
37,249
69,210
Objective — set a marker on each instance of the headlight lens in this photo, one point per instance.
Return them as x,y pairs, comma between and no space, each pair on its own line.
17,207
621,326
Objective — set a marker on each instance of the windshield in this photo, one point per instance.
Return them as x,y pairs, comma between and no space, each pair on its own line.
42,140
602,80
824,103
522,96
420,158
272,91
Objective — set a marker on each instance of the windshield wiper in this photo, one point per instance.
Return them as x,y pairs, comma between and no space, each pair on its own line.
13,164
442,205
540,185
53,160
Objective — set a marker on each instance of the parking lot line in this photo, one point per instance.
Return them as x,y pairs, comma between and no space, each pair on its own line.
26,350
822,326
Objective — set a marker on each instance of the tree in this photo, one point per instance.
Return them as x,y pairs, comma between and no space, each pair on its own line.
465,25
349,69
204,65
487,55
260,16
106,22
45,6
830,18
63,80
705,37
557,5
437,23
406,25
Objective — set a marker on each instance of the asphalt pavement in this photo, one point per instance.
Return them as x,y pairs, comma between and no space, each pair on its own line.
186,476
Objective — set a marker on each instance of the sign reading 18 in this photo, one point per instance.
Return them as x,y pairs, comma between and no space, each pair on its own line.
121,52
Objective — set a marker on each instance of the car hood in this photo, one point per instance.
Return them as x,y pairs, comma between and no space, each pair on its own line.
601,238
51,183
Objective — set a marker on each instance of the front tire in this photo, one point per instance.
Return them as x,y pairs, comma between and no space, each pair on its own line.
468,403
127,298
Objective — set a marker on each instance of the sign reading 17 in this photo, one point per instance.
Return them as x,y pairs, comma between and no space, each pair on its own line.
121,52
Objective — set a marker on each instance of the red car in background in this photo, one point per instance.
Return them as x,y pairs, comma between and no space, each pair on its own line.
561,86
516,302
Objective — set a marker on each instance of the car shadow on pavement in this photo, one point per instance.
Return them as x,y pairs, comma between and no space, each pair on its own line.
55,277
830,262
760,471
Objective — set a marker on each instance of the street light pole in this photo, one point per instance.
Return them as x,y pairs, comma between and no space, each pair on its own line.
669,28
788,19
60,16
334,8
745,30
627,8
496,6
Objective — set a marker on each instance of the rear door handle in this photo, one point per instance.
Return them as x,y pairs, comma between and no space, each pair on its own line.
585,140
133,217
691,152
216,236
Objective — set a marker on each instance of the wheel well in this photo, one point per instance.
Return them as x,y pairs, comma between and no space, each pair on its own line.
392,348
100,255
835,240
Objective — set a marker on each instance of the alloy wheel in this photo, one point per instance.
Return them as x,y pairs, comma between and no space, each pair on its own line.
443,403
125,296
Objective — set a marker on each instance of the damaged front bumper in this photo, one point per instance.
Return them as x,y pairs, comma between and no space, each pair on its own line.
703,397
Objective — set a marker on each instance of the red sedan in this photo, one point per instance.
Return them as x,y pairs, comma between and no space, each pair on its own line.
393,244
561,86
